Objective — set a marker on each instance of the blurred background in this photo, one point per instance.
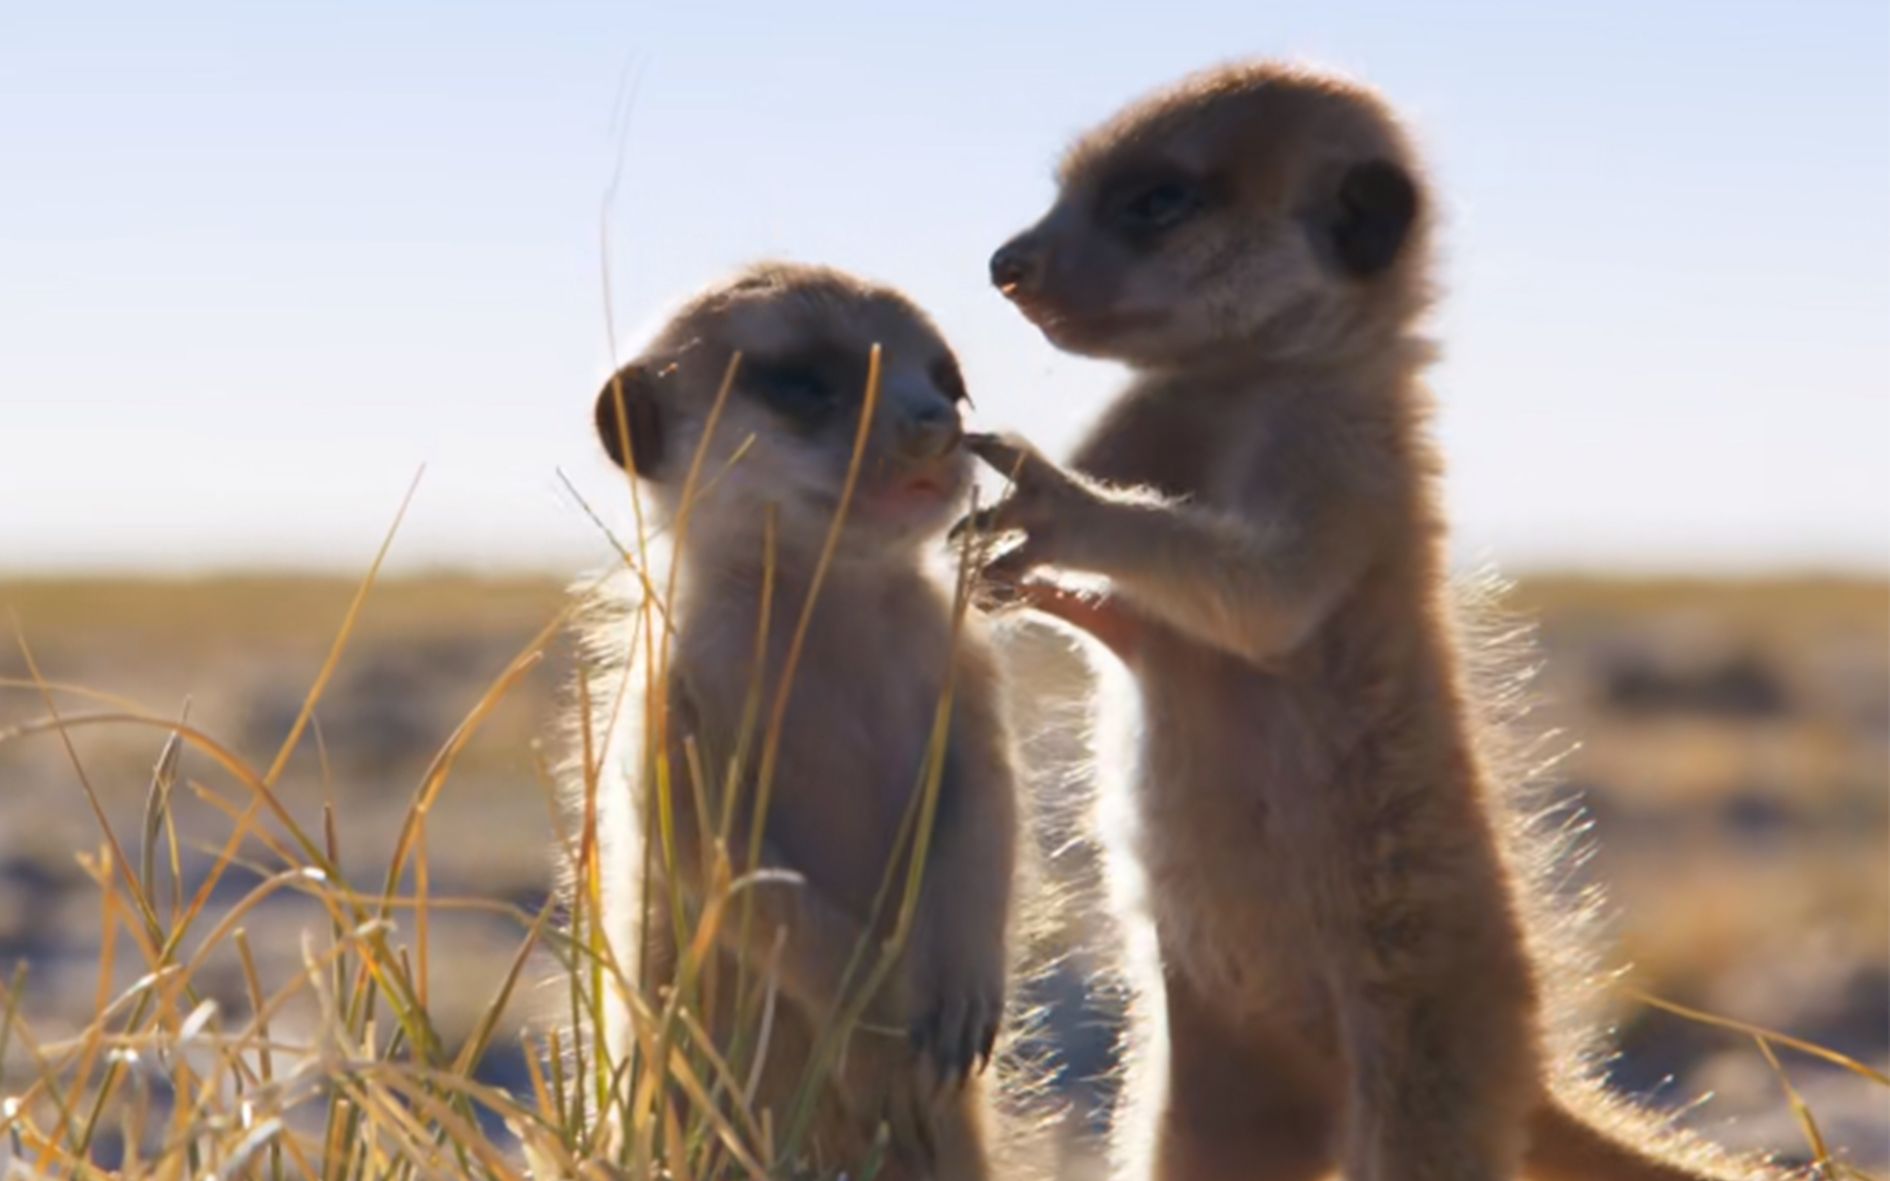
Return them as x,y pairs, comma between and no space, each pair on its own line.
259,263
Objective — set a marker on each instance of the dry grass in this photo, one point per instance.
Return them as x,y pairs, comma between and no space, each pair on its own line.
362,1053
339,1067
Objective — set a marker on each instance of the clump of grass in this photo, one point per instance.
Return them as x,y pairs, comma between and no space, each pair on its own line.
164,1081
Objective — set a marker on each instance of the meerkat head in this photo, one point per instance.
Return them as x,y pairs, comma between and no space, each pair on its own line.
1256,207
786,436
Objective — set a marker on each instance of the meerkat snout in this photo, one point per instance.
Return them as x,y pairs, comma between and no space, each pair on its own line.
926,426
930,432
1014,267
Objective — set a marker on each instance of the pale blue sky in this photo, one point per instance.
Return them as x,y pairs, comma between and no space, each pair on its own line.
258,261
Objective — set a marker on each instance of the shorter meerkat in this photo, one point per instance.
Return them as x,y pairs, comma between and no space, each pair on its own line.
880,649
1349,976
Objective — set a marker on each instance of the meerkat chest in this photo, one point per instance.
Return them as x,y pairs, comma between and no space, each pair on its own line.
1234,766
1227,896
855,724
860,743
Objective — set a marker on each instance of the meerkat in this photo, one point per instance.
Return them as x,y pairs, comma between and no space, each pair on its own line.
880,647
1349,979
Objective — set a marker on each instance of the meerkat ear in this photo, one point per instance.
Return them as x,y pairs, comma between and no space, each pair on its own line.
1369,217
633,392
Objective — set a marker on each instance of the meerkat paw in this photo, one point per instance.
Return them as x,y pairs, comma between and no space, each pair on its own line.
1044,505
956,1027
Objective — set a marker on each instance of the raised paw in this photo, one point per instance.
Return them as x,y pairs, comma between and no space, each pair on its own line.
1012,456
1042,505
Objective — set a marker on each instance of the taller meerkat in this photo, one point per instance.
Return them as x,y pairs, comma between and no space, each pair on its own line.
1348,979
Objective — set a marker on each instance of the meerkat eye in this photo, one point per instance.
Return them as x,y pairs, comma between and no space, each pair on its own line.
1160,206
951,383
796,390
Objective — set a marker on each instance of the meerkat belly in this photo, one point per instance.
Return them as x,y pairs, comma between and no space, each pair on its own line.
865,761
1229,765
851,746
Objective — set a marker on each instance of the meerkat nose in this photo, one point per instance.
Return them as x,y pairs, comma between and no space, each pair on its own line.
1014,266
931,432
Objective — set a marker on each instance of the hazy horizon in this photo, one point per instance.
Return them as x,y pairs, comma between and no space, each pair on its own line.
257,265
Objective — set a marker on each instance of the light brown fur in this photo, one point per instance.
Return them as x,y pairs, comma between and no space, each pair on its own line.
878,653
1349,979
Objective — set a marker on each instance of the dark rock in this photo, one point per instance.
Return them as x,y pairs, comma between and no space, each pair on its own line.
1740,686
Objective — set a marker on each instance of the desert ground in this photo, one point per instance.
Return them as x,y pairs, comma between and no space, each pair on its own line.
1729,740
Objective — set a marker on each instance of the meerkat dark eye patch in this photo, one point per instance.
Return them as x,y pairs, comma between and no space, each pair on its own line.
627,411
1143,204
1370,217
795,388
807,388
